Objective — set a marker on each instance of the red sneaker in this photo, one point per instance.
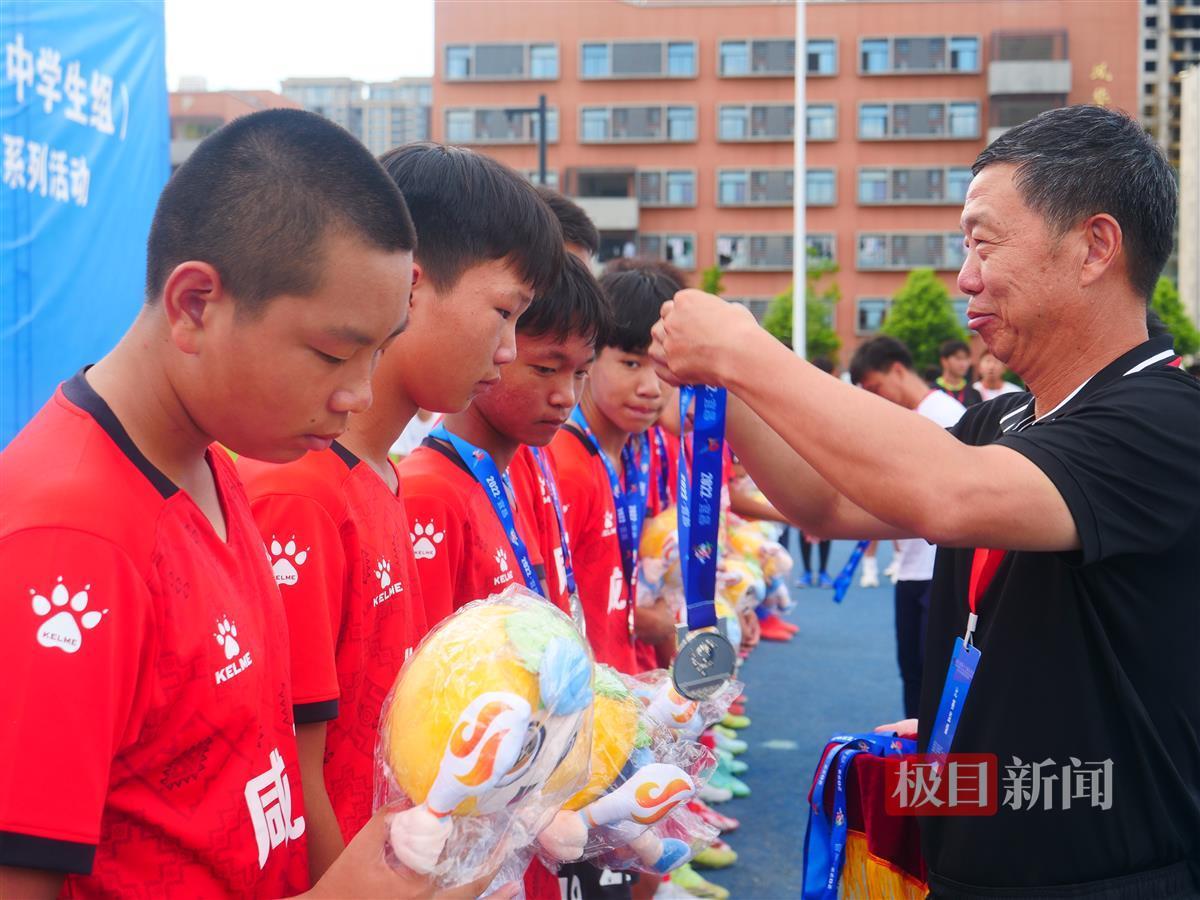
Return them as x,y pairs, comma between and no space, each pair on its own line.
711,817
773,632
779,624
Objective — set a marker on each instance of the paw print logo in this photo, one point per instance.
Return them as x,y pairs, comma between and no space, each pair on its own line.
226,635
62,630
425,540
285,560
502,560
383,571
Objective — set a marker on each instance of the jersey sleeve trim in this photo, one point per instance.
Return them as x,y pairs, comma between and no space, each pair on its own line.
310,713
27,851
1068,488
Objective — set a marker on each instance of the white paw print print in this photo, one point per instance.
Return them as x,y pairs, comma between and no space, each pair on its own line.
425,539
285,560
502,559
226,635
62,629
383,571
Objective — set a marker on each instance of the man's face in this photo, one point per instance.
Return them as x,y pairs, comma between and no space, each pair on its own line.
956,364
888,384
459,337
990,368
537,392
276,385
1017,274
626,389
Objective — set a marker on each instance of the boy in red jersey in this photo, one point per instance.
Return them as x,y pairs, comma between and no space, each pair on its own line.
354,609
149,744
605,477
466,545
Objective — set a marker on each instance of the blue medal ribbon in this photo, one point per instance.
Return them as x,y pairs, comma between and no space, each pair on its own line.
552,490
700,501
660,451
629,496
498,489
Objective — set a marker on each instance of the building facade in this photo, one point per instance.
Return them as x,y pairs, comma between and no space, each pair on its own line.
381,114
197,113
672,122
1170,44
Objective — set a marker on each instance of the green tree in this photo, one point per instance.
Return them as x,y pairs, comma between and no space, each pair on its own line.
820,338
1167,304
711,282
922,317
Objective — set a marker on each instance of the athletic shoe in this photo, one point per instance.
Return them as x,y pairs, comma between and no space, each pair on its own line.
777,622
733,745
870,573
710,816
668,890
893,570
737,767
737,709
827,582
687,878
805,580
711,793
735,722
724,731
719,856
772,632
723,781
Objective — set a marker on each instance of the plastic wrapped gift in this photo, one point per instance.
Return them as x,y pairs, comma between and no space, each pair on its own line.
485,734
642,776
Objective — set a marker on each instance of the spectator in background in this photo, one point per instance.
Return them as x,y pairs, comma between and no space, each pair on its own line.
579,233
991,381
955,357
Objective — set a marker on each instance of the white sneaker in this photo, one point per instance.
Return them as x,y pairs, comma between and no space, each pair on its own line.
893,570
870,573
710,793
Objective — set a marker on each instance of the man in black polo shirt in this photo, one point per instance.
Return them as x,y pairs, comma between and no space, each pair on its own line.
1088,628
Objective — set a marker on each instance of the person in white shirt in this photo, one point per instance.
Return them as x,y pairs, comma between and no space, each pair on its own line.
991,381
884,366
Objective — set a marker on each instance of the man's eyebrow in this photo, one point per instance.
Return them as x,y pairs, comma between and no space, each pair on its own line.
352,335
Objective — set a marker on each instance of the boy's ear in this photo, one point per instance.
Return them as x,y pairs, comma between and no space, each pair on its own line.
190,296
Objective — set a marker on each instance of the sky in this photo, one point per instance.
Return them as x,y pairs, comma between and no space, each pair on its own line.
255,44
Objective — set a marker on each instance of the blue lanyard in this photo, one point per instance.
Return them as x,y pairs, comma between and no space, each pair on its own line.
552,490
660,450
700,501
629,493
497,488
845,578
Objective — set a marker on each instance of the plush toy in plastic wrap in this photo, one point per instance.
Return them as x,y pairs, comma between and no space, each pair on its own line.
667,708
486,733
641,778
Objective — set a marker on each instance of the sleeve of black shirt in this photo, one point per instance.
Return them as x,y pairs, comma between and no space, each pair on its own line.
1126,463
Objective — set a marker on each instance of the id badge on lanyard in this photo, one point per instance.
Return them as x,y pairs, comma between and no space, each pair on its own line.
964,659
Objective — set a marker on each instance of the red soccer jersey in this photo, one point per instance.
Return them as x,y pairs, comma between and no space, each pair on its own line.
339,544
147,731
591,518
461,549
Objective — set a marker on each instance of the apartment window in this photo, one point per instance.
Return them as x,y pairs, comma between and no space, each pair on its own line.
820,187
907,121
872,186
820,122
771,57
501,62
900,251
497,125
923,54
870,313
822,58
731,188
681,59
638,59
765,252
677,249
1007,112
733,123
594,125
667,187
958,179
758,306
543,61
918,185
637,124
822,248
534,178
681,123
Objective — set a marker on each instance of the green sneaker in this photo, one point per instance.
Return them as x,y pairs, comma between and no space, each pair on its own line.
724,731
719,856
724,781
735,722
689,879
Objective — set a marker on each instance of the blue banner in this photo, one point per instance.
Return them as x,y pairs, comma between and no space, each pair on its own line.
86,150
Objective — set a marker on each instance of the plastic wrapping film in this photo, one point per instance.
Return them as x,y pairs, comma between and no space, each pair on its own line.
485,734
632,813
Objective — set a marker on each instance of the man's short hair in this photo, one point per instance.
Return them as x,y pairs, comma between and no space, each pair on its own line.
878,354
575,306
950,348
637,288
1078,161
577,228
470,209
258,196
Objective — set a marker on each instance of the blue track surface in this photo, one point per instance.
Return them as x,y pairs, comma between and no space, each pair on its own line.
838,674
